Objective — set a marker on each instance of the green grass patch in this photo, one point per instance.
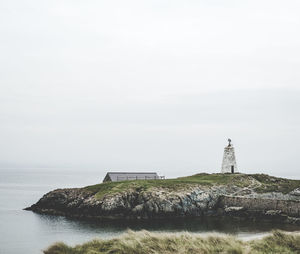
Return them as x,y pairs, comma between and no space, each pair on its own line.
203,179
262,183
174,243
276,184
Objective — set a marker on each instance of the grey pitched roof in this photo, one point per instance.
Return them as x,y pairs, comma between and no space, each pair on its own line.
122,176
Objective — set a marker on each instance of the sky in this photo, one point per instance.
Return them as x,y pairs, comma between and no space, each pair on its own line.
150,85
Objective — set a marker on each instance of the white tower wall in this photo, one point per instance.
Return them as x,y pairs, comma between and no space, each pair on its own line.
229,162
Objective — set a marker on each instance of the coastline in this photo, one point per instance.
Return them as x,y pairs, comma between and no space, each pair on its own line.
238,195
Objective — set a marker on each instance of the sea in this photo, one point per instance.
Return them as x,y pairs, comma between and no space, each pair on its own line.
27,232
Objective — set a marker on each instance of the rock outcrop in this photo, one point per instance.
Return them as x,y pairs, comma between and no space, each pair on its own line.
185,201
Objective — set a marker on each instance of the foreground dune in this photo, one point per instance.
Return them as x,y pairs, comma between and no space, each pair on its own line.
166,243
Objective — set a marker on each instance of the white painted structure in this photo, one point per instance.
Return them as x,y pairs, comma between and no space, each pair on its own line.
229,162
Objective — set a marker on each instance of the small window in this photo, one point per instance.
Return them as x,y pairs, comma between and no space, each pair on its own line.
232,169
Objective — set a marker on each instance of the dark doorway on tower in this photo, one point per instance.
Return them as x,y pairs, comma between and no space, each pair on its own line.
232,169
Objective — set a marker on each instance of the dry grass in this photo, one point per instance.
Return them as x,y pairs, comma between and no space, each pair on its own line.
142,242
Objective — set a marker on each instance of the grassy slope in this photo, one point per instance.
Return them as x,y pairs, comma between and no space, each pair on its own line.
271,183
145,242
265,183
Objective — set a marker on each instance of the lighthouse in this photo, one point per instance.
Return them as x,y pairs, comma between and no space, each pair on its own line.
229,162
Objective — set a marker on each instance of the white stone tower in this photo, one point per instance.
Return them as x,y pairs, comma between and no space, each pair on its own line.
229,162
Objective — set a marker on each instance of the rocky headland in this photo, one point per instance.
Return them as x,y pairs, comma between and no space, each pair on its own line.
256,196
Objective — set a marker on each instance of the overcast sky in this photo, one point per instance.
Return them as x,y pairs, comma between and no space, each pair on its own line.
150,85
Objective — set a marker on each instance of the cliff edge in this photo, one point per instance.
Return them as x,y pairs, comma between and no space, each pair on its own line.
240,195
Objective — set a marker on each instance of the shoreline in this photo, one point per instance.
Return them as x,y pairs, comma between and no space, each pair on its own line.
255,197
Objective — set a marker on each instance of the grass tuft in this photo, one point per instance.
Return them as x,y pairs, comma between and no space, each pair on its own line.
278,242
178,243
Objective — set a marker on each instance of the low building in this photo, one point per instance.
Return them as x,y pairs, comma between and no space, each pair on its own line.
127,176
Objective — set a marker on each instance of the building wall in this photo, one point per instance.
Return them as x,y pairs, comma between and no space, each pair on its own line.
228,160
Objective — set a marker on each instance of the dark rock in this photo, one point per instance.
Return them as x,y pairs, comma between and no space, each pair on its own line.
156,202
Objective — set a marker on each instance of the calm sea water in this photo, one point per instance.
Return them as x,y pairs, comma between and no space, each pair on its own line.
26,232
